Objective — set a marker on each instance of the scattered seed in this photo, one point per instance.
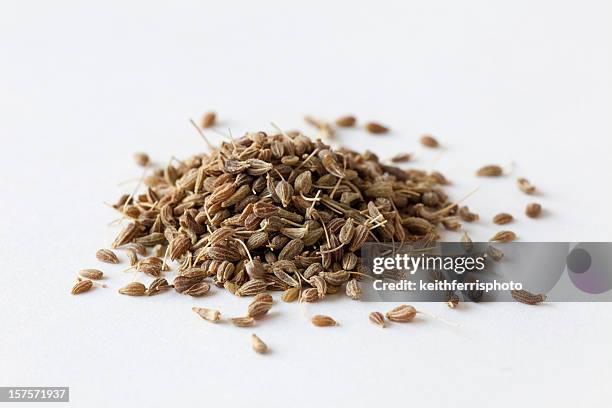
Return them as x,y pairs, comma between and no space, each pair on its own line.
141,159
492,170
290,295
210,315
376,128
346,121
525,186
503,218
377,318
108,256
209,119
402,314
81,287
133,289
94,274
323,321
429,141
258,345
503,236
533,210
401,158
353,290
528,298
242,321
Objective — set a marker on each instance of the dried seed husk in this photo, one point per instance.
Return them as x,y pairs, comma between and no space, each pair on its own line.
303,183
360,236
290,295
466,242
452,300
242,321
346,121
310,295
81,287
503,236
528,298
353,290
377,318
429,141
209,315
291,250
258,345
466,215
525,186
132,257
376,128
503,218
183,283
284,191
323,321
133,289
533,210
208,119
94,274
108,256
178,246
336,278
257,240
494,253
491,170
402,314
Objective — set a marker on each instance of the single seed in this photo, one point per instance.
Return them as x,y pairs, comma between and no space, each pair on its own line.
81,287
210,315
494,253
503,236
141,159
108,256
260,305
346,121
466,242
323,321
290,295
528,298
429,141
503,218
525,186
258,345
466,215
94,274
209,119
402,314
242,321
533,210
376,128
133,289
377,318
401,158
491,170
353,290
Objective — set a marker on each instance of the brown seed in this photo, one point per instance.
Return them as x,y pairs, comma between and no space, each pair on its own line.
133,289
528,298
346,121
503,218
401,158
258,345
126,235
402,314
491,170
108,256
157,286
533,210
208,119
466,242
178,246
81,287
242,321
252,287
353,290
377,318
525,186
94,274
494,253
141,159
209,315
310,295
376,128
260,306
290,295
197,290
452,300
429,141
503,236
284,191
323,321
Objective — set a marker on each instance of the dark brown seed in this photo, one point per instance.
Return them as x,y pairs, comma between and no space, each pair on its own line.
178,246
528,298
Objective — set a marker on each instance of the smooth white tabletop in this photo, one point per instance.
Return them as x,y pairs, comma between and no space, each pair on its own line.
526,84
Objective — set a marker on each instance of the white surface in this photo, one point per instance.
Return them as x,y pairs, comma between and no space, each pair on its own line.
84,86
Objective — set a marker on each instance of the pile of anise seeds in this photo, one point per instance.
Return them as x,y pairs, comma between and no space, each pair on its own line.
279,212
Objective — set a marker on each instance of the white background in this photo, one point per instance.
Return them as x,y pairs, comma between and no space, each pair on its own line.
82,87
